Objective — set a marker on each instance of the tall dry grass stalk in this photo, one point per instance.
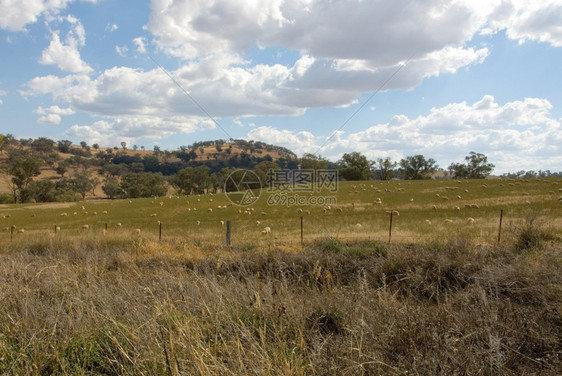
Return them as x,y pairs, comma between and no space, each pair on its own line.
115,305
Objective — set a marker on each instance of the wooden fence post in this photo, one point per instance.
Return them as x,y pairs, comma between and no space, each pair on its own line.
159,230
227,242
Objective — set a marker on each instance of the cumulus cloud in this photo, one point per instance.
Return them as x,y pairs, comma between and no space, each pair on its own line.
53,114
16,14
140,42
67,55
518,135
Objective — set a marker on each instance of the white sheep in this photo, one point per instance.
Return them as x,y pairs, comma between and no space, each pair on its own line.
358,226
210,210
198,223
154,215
118,224
63,214
21,230
470,220
266,230
85,227
427,221
137,231
258,223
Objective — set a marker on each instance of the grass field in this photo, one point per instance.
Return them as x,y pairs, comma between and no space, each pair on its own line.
443,298
426,209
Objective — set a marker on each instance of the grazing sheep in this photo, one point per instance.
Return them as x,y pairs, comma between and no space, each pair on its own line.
448,220
85,227
57,228
118,224
263,213
470,220
459,197
198,223
358,226
456,208
299,210
104,212
428,221
210,209
222,223
137,231
257,223
21,230
95,213
307,212
266,230
161,203
434,207
154,215
63,214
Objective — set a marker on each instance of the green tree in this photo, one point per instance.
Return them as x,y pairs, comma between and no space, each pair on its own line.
42,191
313,162
22,167
386,168
264,172
143,185
416,167
43,145
355,166
476,166
82,183
64,146
111,187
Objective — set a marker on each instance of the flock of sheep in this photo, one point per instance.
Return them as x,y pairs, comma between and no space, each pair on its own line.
266,230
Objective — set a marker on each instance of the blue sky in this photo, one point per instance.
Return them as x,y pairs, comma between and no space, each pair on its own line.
390,78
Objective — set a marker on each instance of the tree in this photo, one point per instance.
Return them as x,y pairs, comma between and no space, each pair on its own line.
43,145
313,162
143,185
386,168
84,145
355,166
263,171
82,183
64,146
476,167
417,167
62,168
22,167
123,145
111,187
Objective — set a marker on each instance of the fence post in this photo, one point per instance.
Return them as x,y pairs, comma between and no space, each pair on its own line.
227,233
56,229
12,228
302,232
390,228
159,230
500,227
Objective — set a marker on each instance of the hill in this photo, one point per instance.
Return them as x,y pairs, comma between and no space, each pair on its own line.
62,159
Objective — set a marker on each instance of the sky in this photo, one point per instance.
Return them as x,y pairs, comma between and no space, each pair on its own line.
387,78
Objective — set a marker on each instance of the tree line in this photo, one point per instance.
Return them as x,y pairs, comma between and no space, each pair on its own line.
188,170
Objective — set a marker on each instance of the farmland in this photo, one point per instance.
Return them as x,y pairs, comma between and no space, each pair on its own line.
442,297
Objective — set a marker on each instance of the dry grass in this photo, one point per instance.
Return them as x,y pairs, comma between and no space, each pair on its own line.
112,305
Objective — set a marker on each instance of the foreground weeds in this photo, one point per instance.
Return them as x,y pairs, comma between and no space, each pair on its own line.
115,306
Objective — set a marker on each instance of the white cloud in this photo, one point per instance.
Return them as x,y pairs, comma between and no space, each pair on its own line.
53,114
298,142
140,42
67,55
121,50
519,135
16,14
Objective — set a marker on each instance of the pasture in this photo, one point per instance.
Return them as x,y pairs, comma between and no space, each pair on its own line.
422,210
444,297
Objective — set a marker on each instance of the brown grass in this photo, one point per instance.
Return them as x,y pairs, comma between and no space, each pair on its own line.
111,305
